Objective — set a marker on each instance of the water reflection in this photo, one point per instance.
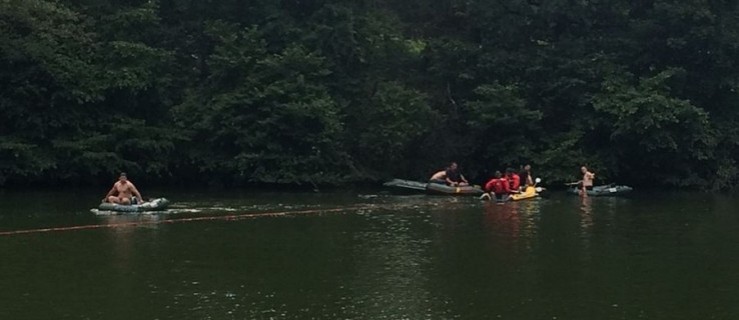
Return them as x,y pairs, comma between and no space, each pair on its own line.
123,235
407,257
512,224
586,215
503,220
395,254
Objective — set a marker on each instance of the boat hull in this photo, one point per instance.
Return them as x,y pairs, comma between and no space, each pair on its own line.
605,191
152,205
410,186
436,188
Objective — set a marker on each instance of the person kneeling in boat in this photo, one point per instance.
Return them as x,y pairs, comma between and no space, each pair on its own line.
497,188
514,181
123,191
451,176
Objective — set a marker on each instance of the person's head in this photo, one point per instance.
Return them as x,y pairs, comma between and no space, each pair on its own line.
498,174
527,167
122,177
453,166
508,171
583,169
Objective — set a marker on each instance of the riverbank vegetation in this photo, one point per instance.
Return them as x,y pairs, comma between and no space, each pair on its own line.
334,91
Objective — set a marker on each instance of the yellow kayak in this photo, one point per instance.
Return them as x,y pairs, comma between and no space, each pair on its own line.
528,193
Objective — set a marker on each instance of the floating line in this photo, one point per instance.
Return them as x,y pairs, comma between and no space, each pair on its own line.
177,220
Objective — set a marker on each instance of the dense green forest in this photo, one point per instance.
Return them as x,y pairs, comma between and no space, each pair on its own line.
330,92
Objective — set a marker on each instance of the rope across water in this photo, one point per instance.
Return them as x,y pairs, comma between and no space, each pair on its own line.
190,219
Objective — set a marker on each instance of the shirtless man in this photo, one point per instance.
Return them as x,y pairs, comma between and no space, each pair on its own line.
450,176
454,177
439,177
124,190
587,180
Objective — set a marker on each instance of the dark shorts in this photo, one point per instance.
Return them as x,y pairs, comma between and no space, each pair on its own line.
579,187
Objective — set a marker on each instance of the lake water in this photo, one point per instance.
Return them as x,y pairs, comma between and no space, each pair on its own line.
244,255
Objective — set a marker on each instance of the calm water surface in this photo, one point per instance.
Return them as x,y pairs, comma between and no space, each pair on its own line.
650,256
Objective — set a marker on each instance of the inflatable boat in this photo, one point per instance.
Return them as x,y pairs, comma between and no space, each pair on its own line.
410,186
151,205
437,188
406,186
610,190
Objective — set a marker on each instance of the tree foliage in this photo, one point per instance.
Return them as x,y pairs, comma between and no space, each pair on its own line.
332,91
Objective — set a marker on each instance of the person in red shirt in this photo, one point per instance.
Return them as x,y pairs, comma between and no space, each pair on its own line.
498,187
514,180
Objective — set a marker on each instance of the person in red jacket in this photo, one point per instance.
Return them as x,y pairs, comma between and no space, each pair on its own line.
497,187
514,180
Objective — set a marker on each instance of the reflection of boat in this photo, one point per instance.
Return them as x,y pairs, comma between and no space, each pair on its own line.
606,190
409,186
151,205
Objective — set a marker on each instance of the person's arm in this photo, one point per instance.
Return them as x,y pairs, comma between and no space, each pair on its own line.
449,181
441,175
463,179
136,192
489,185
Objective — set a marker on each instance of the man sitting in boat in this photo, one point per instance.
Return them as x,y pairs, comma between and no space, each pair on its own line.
497,187
439,177
123,191
450,176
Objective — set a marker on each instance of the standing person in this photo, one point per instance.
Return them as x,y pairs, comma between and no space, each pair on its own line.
454,177
497,187
123,191
525,175
587,181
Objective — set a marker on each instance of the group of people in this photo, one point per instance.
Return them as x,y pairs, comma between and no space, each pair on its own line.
123,190
502,185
